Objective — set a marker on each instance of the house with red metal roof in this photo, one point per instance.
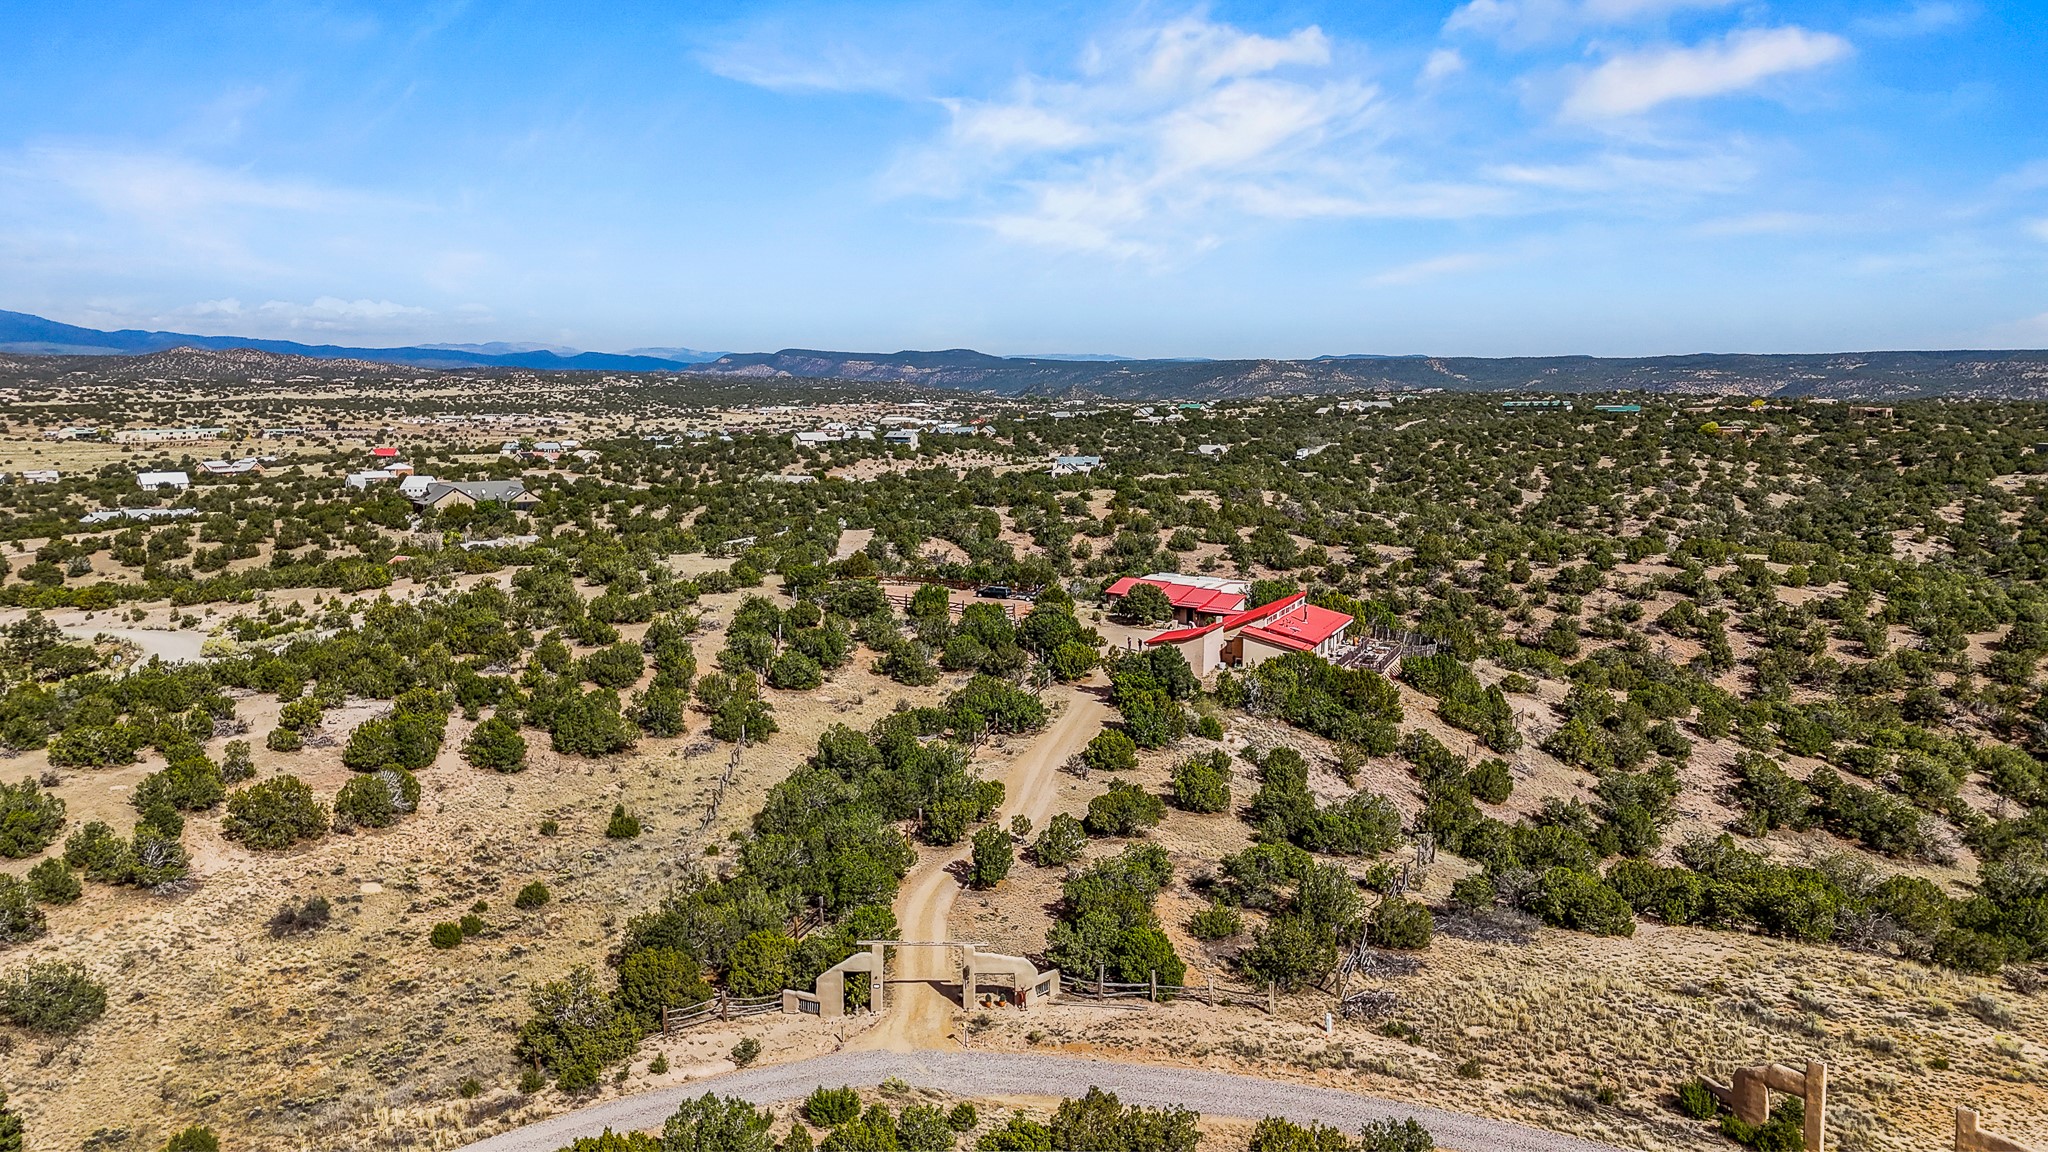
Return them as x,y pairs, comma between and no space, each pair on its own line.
1254,636
1195,599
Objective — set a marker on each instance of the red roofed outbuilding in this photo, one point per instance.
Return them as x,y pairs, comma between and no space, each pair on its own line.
1192,603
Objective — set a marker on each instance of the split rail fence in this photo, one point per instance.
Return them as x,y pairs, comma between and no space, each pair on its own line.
718,1008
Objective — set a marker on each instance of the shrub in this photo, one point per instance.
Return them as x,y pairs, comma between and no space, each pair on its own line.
1099,1120
1125,810
923,1128
294,918
759,963
1569,898
30,819
53,882
623,825
1106,919
575,1030
616,666
745,1052
497,745
276,813
652,979
1209,728
1695,1101
963,1117
1491,781
20,919
376,800
472,925
663,709
1474,892
831,1107
194,1139
590,724
1020,1133
52,997
447,934
534,895
1202,783
1219,921
794,672
1783,1131
1399,923
1061,842
284,740
1274,1134
1144,604
189,784
1394,1136
992,857
1110,751
236,765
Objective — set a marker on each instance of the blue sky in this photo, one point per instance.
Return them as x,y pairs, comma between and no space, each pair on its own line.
1490,177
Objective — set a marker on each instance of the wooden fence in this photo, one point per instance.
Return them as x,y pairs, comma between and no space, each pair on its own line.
720,1007
1153,992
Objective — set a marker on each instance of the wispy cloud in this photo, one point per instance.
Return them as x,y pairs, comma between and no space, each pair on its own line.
1442,63
1636,82
1433,268
324,314
1523,23
1919,20
1165,135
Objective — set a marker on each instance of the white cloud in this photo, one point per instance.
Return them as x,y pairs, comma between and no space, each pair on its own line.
835,68
1766,223
1521,23
1923,18
1165,139
1442,63
1636,82
1432,268
325,315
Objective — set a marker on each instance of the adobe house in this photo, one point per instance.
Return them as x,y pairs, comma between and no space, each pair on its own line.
1250,638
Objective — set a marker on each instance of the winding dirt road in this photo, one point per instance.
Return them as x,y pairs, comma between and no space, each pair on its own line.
916,1038
921,1013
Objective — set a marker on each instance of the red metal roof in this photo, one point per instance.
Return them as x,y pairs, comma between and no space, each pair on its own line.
1205,600
1301,628
1290,622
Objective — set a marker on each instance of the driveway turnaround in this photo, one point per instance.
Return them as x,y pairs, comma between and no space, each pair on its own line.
1035,1074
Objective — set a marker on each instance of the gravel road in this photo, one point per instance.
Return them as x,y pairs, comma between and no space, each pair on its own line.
1020,1073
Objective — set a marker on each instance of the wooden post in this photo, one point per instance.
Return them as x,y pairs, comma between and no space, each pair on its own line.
1272,998
1154,994
1210,999
1816,1106
725,1006
664,1019
1101,981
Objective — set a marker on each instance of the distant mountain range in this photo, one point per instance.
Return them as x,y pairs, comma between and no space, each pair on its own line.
33,335
1848,375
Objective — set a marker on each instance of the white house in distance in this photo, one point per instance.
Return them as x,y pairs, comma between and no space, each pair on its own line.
151,481
247,465
40,476
1075,465
167,435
